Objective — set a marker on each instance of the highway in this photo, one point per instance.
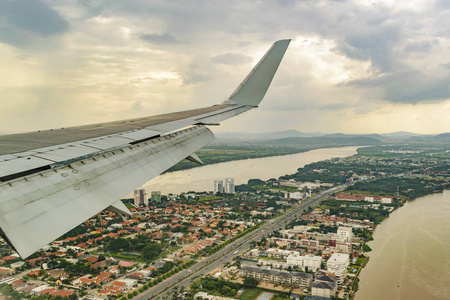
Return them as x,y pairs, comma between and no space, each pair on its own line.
208,264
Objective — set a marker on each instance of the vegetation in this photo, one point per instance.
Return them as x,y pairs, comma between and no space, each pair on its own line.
356,210
219,287
149,250
251,282
250,294
409,188
366,248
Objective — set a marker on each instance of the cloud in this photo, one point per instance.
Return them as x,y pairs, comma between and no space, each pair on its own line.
26,20
118,59
407,87
231,59
422,46
372,45
161,39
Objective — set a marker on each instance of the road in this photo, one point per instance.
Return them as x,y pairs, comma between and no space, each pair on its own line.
183,278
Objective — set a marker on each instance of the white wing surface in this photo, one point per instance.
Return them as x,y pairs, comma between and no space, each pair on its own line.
53,180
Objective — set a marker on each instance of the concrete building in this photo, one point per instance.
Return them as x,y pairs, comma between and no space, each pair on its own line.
140,198
312,262
324,286
229,186
338,264
344,247
156,196
296,279
218,186
296,195
309,243
345,234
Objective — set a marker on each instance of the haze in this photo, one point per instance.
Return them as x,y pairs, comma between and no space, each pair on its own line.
353,66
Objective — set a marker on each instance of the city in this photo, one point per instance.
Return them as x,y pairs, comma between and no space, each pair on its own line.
295,238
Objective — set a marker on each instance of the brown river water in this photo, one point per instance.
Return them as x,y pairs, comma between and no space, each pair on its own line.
410,256
202,178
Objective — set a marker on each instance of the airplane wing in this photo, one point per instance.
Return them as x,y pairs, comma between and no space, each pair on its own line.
53,180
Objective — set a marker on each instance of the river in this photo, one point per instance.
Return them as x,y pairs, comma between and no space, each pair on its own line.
410,253
202,178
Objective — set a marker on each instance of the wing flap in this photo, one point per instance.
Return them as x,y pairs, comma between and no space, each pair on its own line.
57,200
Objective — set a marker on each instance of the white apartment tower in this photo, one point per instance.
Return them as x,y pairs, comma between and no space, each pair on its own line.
218,186
140,197
338,264
345,234
229,186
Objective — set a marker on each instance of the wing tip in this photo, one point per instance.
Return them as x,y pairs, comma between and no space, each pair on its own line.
252,89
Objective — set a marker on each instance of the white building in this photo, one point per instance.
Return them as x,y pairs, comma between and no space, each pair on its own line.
229,186
296,195
345,234
294,260
338,264
17,264
312,262
301,229
386,200
218,186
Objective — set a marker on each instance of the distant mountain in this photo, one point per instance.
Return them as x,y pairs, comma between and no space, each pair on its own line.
326,140
343,135
443,137
400,134
287,134
266,135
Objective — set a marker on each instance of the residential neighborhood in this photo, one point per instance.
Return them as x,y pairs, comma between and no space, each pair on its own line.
319,253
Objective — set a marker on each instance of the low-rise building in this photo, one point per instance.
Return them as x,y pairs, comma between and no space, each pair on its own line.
324,286
311,261
297,279
345,233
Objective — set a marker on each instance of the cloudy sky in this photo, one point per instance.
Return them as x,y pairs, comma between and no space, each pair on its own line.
353,66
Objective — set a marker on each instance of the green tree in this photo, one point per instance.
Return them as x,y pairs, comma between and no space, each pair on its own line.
151,251
251,282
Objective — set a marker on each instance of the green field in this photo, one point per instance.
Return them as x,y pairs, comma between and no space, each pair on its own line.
278,188
250,294
209,198
129,205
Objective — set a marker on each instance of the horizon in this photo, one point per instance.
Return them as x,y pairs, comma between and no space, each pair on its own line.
218,132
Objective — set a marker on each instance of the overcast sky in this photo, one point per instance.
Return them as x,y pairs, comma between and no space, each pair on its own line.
353,66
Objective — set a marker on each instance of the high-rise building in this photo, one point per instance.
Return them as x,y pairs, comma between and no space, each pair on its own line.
338,264
140,197
156,196
218,186
229,186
